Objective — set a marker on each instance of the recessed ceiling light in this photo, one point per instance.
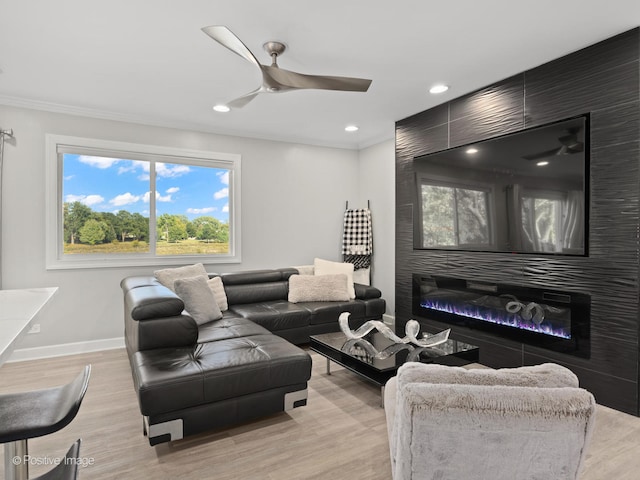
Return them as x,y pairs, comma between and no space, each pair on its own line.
542,163
472,150
351,128
221,108
440,88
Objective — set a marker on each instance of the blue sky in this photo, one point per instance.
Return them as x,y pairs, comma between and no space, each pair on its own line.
113,184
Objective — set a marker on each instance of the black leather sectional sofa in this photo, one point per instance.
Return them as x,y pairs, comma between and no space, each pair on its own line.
191,378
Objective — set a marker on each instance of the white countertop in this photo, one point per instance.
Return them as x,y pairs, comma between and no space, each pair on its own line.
18,309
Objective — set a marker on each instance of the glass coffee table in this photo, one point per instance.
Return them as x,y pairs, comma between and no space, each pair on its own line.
376,358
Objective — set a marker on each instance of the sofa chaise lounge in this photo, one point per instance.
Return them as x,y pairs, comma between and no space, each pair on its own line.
192,377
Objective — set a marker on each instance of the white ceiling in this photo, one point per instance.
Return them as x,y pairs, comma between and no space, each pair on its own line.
148,61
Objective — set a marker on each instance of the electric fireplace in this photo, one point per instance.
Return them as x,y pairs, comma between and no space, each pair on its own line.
552,319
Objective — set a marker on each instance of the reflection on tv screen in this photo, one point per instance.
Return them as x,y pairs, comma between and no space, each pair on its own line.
524,193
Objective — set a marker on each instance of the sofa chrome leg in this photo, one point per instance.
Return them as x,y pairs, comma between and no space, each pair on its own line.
295,399
164,432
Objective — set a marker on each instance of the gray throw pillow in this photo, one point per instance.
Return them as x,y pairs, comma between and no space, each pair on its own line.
198,299
217,287
168,276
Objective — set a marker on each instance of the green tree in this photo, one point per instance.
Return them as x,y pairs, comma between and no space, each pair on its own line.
76,214
124,224
140,226
211,229
92,232
223,234
109,221
172,228
207,231
192,229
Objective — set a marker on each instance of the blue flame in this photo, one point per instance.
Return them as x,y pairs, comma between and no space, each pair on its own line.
498,318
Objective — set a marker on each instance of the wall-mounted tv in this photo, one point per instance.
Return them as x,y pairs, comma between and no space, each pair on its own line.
525,192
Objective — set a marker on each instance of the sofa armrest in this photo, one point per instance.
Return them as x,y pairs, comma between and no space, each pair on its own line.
152,301
154,318
366,292
178,331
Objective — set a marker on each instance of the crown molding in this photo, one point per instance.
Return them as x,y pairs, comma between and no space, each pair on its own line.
52,107
89,112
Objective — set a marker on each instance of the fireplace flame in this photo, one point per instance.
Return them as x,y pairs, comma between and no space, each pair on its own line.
503,318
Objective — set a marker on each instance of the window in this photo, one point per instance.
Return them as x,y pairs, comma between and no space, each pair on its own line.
454,215
119,204
544,215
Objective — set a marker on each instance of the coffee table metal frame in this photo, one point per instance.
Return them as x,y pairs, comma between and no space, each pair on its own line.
329,346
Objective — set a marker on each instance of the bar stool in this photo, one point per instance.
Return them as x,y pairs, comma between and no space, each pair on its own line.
67,469
34,414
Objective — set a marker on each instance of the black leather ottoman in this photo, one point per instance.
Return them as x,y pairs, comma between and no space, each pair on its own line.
188,390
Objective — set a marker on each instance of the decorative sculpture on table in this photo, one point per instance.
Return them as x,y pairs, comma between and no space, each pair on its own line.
412,328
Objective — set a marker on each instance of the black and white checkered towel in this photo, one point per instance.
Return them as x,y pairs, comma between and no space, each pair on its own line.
357,237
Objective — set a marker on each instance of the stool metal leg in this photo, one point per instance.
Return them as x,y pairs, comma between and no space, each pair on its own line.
16,465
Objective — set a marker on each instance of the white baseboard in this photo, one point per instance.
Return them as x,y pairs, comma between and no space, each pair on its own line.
37,353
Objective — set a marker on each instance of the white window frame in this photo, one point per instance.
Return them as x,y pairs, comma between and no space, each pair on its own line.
56,259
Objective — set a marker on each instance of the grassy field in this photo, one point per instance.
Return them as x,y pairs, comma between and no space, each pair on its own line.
183,247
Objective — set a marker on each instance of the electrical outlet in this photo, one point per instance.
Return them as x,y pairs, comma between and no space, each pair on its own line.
35,328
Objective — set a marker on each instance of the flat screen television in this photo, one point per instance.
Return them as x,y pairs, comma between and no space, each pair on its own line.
524,192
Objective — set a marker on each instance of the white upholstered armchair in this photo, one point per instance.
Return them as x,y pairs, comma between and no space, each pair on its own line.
450,423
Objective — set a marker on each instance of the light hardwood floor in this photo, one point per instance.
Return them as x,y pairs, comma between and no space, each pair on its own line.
340,434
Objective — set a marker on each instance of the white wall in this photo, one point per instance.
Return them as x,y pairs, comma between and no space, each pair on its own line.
377,185
293,199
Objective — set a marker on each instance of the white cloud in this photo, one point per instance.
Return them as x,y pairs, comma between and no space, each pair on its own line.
224,177
162,170
133,166
159,198
98,162
173,189
93,200
88,200
222,193
226,208
69,177
124,199
200,211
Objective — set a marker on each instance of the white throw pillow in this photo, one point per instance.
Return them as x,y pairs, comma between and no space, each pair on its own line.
321,288
217,287
326,267
168,276
304,269
198,299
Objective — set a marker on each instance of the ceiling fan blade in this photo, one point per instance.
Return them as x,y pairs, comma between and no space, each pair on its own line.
243,100
572,143
227,38
541,155
296,80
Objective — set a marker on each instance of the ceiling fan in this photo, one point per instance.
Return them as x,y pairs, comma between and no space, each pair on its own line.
568,144
276,79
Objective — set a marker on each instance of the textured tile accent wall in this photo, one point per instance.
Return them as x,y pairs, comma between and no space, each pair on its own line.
603,80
